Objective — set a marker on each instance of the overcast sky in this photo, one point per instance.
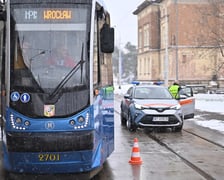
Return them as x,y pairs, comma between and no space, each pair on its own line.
124,20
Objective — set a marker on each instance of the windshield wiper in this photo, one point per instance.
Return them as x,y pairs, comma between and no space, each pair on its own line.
36,55
69,75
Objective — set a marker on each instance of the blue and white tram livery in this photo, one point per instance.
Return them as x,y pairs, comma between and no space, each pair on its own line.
56,118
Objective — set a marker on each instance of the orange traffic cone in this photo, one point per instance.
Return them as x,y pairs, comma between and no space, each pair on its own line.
135,156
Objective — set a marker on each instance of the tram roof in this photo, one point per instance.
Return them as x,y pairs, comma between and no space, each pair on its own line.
101,2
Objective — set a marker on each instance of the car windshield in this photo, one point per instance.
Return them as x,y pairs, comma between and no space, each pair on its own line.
152,93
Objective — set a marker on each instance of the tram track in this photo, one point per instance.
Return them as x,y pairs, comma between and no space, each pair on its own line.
156,137
206,139
186,161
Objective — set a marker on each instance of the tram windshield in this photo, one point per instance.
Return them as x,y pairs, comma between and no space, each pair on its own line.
49,58
50,48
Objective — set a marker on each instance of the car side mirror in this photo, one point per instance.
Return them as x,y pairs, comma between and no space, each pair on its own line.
127,96
182,96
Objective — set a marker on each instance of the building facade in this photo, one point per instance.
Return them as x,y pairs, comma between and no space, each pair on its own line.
181,40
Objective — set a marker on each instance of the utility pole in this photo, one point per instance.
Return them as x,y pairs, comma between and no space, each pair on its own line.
119,67
177,36
119,63
166,68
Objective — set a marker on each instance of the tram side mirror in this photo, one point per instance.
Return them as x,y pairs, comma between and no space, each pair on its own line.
107,39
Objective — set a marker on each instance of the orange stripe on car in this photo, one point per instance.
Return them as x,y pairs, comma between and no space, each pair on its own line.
186,101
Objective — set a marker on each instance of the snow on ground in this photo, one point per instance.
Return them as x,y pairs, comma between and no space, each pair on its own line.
213,124
203,102
211,103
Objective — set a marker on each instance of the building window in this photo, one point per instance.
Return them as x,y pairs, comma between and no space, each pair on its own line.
146,35
145,66
184,58
142,72
163,34
140,38
173,40
149,66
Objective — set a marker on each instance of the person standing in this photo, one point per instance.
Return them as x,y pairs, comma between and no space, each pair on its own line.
174,89
61,58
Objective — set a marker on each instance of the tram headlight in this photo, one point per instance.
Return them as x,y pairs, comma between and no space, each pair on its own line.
26,123
81,120
72,122
18,120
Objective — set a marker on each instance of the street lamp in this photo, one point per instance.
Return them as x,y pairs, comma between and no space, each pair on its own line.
177,34
119,62
166,59
119,67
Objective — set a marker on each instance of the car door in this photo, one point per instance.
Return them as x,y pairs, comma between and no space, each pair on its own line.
127,101
187,102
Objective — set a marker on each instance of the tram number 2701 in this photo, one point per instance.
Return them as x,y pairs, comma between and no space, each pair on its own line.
49,157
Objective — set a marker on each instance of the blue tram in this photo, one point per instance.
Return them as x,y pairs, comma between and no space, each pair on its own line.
57,109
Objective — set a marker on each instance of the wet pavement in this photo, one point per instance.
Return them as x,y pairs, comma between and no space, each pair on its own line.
158,162
165,155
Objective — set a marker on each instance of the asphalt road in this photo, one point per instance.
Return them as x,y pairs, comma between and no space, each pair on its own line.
195,153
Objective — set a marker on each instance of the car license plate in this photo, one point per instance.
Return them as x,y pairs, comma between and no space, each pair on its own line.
48,157
160,119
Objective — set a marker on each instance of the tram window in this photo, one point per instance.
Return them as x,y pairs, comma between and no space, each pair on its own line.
102,73
18,59
95,54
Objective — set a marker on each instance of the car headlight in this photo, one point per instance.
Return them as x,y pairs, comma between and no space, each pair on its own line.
138,106
177,107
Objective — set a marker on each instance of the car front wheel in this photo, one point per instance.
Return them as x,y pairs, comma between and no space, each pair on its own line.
131,127
178,128
123,120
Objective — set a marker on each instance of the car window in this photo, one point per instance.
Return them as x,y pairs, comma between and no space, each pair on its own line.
130,90
151,93
186,91
142,93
